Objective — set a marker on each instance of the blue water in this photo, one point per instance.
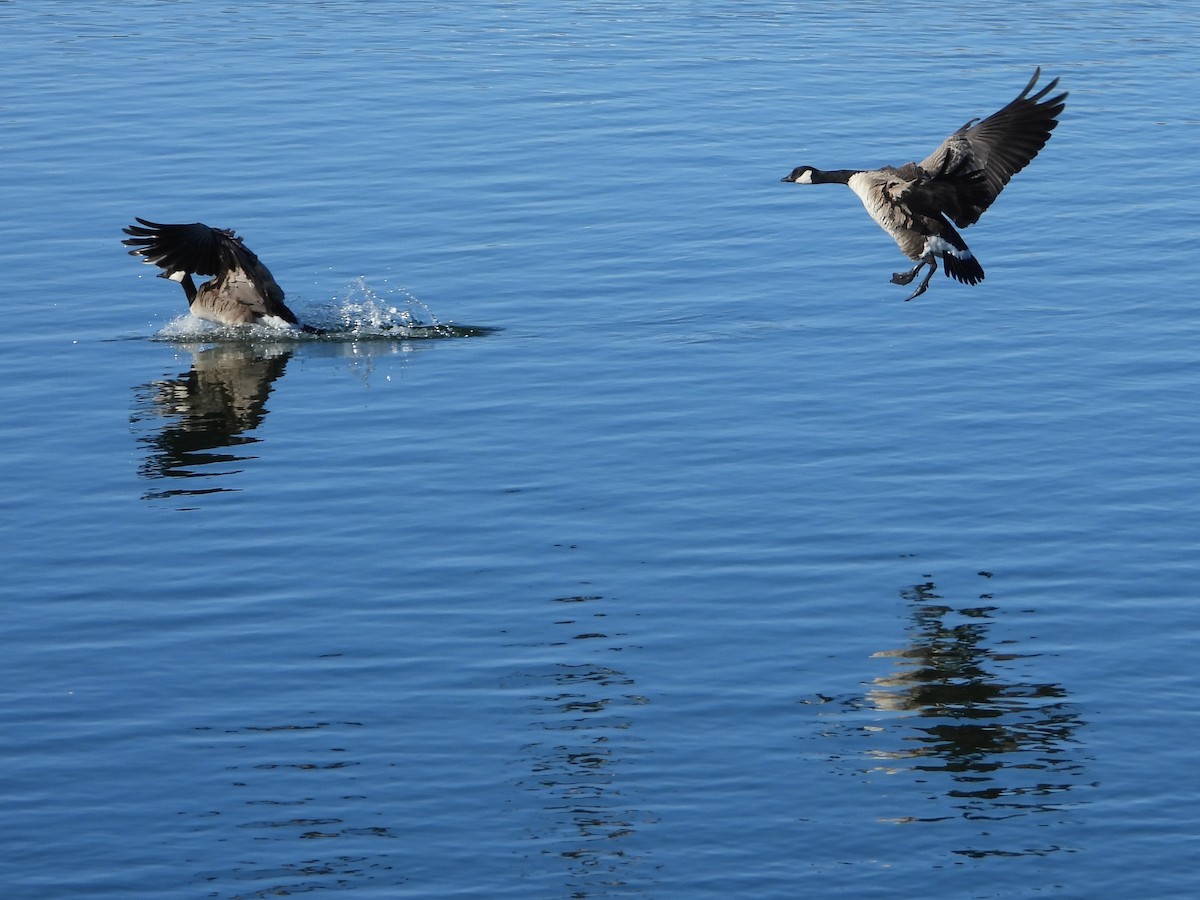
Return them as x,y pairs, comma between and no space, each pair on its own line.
699,563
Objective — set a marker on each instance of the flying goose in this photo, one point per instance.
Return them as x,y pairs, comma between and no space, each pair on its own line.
916,202
243,290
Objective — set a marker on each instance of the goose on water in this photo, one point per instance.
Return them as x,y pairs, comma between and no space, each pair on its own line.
242,291
917,202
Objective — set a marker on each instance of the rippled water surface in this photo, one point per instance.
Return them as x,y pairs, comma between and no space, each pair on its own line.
627,535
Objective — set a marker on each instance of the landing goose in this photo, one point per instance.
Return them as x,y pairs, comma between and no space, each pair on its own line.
916,202
243,290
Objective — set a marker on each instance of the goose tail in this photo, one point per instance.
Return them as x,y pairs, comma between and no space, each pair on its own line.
957,257
964,268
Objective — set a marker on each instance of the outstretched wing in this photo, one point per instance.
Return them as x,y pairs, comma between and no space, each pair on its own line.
194,248
999,147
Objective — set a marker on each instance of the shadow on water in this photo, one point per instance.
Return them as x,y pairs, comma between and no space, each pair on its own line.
197,427
964,720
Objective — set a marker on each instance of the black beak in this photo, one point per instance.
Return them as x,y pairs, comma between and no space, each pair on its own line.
786,179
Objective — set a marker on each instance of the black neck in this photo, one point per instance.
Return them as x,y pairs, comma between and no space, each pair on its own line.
833,176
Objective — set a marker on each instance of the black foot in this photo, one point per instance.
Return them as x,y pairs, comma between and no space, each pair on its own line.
923,285
905,277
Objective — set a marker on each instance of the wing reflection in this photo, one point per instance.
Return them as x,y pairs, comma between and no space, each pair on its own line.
974,718
583,707
199,422
297,792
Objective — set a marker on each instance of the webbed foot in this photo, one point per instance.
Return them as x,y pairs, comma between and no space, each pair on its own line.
924,282
921,288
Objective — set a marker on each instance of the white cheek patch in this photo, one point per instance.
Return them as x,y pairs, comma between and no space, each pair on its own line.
176,276
805,178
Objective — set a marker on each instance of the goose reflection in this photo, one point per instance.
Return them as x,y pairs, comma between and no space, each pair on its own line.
201,422
1005,743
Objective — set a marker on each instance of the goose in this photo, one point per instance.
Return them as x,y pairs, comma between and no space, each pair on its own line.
915,203
243,290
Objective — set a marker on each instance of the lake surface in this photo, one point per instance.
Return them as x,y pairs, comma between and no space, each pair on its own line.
700,564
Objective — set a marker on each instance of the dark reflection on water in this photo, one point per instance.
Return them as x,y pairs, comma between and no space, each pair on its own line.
582,708
196,428
198,422
968,721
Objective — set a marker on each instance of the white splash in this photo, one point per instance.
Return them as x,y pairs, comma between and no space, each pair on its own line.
364,311
361,313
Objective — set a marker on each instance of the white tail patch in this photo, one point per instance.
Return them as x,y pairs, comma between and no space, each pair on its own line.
942,247
277,323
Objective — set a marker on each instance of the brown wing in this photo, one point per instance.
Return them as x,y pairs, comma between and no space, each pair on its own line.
1000,146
